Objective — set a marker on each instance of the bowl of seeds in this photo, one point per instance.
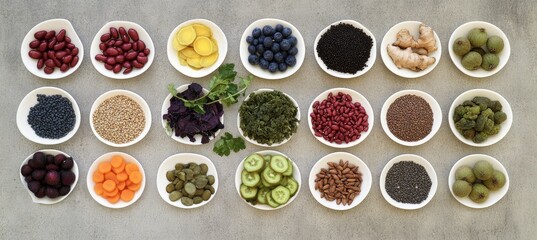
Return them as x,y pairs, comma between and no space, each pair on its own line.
408,182
120,118
411,117
48,115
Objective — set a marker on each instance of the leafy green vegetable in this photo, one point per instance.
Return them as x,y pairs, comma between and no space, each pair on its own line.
227,143
222,88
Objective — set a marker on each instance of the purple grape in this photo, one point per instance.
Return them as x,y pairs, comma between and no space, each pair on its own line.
42,192
52,178
34,186
58,159
52,192
67,177
26,170
28,179
51,167
38,174
64,190
67,164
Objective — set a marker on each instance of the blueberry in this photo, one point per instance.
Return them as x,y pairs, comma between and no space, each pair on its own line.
255,42
284,54
292,40
278,37
260,49
278,57
268,55
261,39
293,51
253,59
268,30
267,42
285,45
251,49
249,39
264,64
275,47
290,60
286,32
282,67
273,67
256,32
278,28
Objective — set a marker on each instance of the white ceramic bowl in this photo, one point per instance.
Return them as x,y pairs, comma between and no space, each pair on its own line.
262,73
138,99
29,101
356,97
469,161
218,35
143,35
369,63
57,25
469,95
391,36
335,157
169,165
107,157
491,30
252,140
296,176
435,107
166,104
416,159
47,200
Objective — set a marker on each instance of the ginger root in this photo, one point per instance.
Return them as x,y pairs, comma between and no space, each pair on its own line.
426,43
408,59
426,39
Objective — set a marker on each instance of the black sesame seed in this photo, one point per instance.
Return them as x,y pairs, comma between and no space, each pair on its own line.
408,182
52,117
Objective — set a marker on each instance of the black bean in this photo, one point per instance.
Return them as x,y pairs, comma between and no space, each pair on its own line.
52,117
408,182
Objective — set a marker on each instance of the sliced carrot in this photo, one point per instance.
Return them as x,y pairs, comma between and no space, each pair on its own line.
135,177
116,161
113,199
131,167
119,169
98,177
109,185
111,176
127,195
111,193
98,188
134,187
128,182
105,167
122,176
121,185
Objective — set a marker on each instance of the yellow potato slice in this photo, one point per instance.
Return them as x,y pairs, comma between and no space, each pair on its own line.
177,46
181,55
189,52
194,62
215,45
203,46
202,30
209,60
186,35
183,62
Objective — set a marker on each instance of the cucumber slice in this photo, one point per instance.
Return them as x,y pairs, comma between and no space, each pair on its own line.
283,182
292,185
267,158
280,194
279,163
265,183
289,171
254,163
248,192
270,200
262,195
271,176
250,179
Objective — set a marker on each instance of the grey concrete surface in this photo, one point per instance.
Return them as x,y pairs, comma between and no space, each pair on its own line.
227,216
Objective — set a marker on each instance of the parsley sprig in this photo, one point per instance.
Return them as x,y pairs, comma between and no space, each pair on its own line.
228,143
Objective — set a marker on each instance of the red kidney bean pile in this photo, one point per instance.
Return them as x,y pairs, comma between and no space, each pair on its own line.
122,49
53,50
338,120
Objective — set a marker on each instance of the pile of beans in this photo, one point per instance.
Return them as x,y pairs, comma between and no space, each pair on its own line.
410,118
122,49
338,120
340,182
53,50
408,182
119,119
52,117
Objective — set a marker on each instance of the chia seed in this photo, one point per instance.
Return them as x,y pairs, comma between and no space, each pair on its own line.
345,48
410,118
53,116
408,182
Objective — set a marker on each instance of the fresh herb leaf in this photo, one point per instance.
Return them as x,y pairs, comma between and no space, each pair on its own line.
172,90
228,143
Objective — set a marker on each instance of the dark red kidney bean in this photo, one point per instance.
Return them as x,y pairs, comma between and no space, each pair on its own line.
102,46
45,56
70,46
42,47
133,34
135,46
111,52
35,54
146,51
60,54
137,64
67,59
50,63
114,33
49,70
117,68
68,51
142,60
122,31
126,46
108,66
111,43
127,65
40,35
125,38
127,71
120,58
118,43
141,45
51,55
74,51
131,55
64,67
111,60
59,46
51,43
34,44
67,39
119,51
74,61
100,57
40,63
105,37
61,35
57,62
50,35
